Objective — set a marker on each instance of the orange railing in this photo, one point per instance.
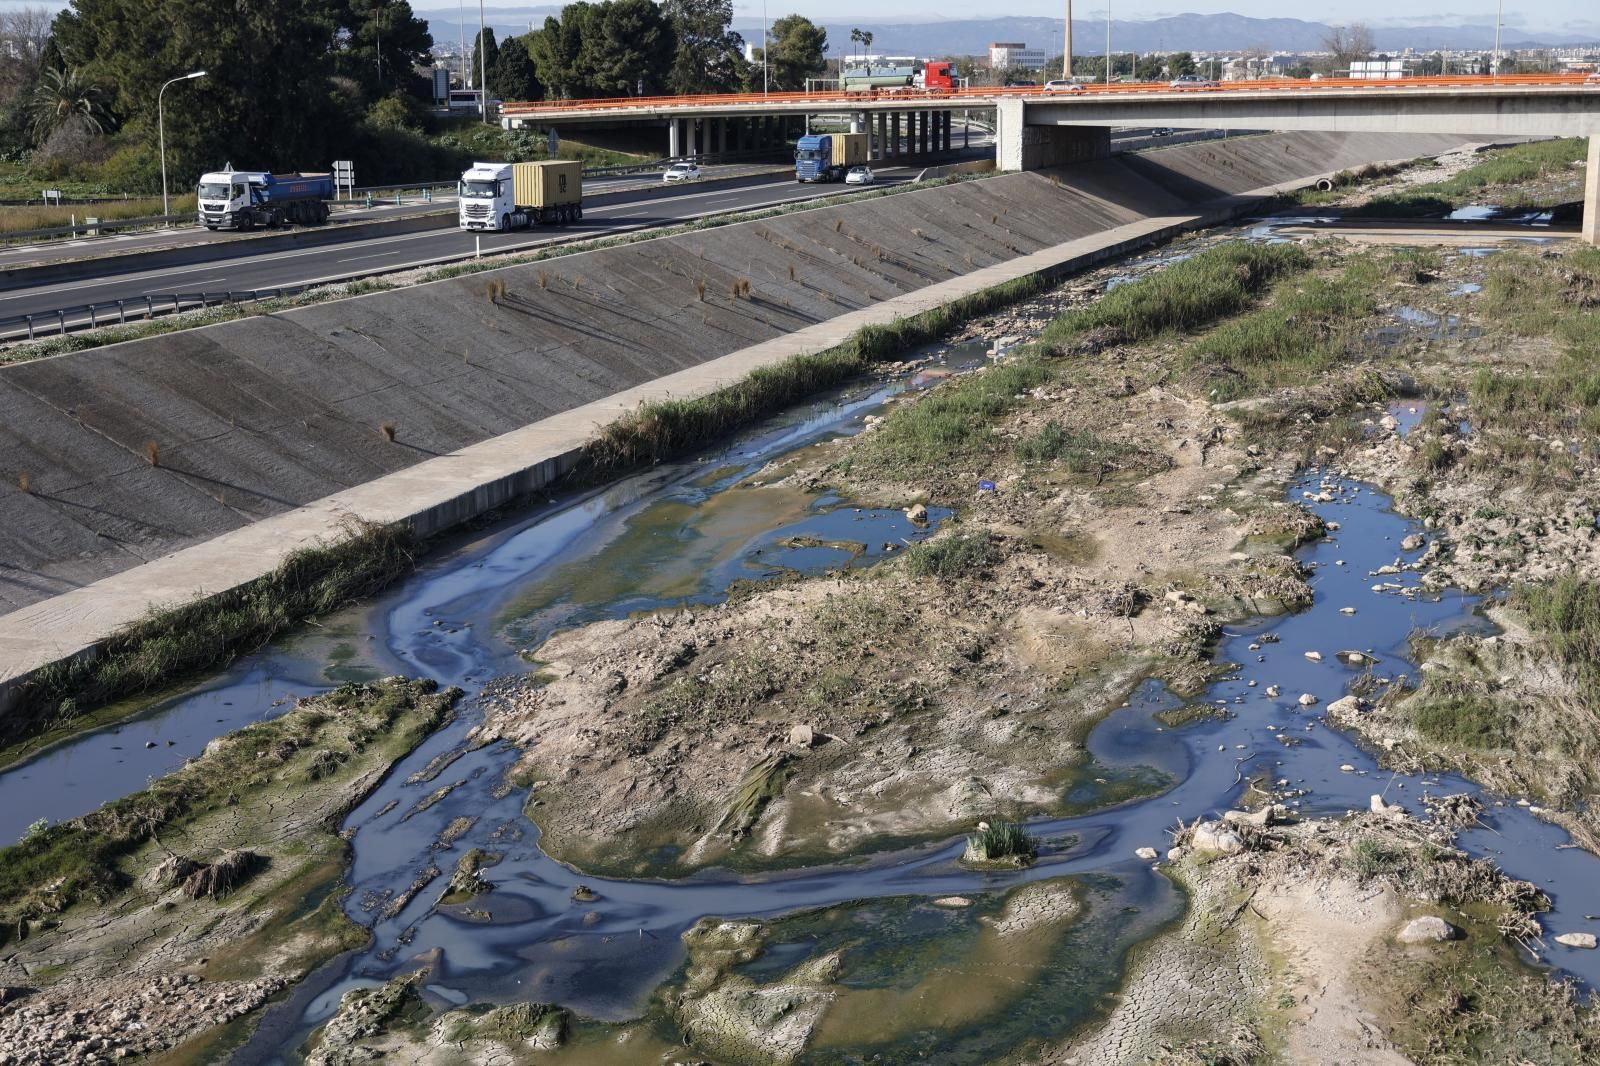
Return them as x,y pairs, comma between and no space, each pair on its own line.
652,103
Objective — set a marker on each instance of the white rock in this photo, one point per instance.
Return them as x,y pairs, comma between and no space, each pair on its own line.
1307,700
1427,930
1314,656
1347,768
1345,705
918,514
1174,854
1576,940
1347,610
1274,690
1388,810
1146,853
1216,837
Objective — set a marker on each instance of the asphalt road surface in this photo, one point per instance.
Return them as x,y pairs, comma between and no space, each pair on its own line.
603,215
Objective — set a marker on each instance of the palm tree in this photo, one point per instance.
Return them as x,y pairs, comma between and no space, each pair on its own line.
61,97
863,38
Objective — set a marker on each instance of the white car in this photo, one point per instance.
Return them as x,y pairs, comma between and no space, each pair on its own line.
1191,81
859,176
1061,85
681,172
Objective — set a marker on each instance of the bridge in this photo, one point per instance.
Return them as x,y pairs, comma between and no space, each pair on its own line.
1036,129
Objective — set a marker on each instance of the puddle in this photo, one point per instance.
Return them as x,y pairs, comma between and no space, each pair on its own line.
1467,288
1415,322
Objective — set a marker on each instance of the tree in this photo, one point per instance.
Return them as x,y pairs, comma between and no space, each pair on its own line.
484,42
708,58
1179,64
797,49
380,44
65,99
1149,68
513,76
863,38
266,102
1348,44
632,52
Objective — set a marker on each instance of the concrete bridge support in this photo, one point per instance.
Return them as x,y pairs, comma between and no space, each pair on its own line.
674,137
1019,146
1591,193
894,135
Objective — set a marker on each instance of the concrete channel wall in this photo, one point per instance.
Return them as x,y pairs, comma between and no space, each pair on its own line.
267,431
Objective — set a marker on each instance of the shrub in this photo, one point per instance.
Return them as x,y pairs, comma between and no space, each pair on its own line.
962,555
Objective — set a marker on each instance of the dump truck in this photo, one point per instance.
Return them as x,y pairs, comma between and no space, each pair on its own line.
934,78
828,156
504,196
245,199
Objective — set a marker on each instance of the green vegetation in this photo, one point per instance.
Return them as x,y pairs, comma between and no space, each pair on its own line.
1001,842
1078,451
20,219
951,422
1187,295
961,555
761,784
661,430
1306,328
1507,166
49,871
1566,615
1460,716
1555,395
175,642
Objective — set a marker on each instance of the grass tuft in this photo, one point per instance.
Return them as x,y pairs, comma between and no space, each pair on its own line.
387,429
962,555
152,453
1001,842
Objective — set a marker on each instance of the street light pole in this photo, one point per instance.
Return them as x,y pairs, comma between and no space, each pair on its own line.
483,70
766,46
1499,16
1066,51
1108,42
161,131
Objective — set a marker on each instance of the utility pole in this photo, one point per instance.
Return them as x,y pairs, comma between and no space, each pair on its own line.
1499,16
1108,42
766,46
466,59
1066,51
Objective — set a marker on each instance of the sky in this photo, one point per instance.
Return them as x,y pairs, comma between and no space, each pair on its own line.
1570,16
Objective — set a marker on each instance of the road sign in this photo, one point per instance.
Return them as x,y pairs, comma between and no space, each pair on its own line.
344,173
555,143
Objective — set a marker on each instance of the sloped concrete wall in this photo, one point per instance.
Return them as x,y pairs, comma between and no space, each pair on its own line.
256,417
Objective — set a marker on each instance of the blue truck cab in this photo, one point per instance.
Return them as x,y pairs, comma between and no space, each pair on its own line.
813,157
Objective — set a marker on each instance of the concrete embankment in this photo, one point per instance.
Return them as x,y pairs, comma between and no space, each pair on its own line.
243,441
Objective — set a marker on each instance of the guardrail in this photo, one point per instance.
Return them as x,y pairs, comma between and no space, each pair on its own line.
64,320
531,109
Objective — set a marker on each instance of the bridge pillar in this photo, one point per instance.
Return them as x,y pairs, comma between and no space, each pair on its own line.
922,131
674,137
894,135
1591,193
1019,146
722,136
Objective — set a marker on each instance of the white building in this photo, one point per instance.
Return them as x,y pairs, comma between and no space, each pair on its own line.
1015,55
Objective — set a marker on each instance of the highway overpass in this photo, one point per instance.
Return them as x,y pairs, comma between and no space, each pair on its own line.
1035,129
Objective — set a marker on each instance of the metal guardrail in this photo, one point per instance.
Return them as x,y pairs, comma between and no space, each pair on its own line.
111,224
64,320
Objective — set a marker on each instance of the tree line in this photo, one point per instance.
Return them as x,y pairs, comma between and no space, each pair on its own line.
297,83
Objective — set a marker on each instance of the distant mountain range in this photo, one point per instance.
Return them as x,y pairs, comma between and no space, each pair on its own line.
1196,33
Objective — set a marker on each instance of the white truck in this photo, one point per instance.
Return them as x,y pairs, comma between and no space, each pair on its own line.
504,196
245,199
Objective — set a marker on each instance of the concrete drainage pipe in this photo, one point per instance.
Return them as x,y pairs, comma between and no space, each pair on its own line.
1325,185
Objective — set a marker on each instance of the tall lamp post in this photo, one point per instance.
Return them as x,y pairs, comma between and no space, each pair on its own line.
1108,44
1499,17
1066,52
161,131
766,47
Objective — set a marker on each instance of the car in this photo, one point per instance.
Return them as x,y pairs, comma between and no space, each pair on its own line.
682,172
1593,79
1020,84
1161,131
1061,85
1191,81
859,176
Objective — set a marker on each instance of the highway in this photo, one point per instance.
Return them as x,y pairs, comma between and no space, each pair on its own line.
603,216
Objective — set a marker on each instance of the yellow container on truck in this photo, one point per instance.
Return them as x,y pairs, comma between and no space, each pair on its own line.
850,149
548,184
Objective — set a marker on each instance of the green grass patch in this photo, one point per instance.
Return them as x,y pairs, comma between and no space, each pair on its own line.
961,555
1186,295
1078,451
1308,327
998,841
1566,615
1500,168
175,642
1459,716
